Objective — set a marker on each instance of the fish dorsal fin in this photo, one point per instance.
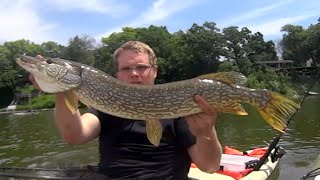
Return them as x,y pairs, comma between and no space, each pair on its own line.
71,101
231,77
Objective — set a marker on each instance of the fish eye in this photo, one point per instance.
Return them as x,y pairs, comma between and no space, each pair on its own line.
49,61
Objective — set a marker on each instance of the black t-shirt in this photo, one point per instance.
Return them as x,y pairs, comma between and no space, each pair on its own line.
126,153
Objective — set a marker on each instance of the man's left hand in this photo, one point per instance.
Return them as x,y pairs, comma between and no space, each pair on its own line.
202,124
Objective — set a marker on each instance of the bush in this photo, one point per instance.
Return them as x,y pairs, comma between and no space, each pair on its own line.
40,102
259,77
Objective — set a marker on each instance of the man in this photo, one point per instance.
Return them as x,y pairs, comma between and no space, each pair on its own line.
125,151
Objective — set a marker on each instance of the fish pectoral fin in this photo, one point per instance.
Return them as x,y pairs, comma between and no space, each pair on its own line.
231,77
88,106
154,131
232,108
71,101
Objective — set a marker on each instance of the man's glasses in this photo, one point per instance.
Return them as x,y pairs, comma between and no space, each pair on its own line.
137,67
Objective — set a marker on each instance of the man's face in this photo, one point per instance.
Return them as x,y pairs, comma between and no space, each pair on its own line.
135,68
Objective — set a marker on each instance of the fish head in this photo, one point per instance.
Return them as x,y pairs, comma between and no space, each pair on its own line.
52,75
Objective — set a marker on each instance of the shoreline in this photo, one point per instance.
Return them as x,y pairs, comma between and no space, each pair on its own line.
33,111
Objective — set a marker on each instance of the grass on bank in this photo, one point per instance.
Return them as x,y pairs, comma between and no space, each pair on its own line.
46,101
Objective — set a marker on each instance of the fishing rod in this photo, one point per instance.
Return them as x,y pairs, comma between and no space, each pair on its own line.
276,140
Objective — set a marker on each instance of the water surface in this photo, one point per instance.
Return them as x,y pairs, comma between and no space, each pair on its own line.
34,141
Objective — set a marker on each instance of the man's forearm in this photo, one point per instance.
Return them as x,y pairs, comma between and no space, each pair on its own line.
209,152
69,124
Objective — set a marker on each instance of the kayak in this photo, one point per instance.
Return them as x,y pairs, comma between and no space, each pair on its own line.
232,159
315,171
234,174
313,93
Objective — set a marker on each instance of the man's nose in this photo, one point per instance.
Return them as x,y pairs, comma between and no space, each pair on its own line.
134,72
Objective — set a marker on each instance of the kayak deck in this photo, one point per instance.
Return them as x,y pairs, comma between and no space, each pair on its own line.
261,174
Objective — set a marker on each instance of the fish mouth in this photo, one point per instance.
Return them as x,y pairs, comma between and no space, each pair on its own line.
28,60
23,63
29,63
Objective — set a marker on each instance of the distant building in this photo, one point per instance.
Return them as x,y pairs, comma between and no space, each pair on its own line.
280,64
23,98
286,67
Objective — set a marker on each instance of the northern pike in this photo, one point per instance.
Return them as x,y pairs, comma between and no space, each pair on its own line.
151,103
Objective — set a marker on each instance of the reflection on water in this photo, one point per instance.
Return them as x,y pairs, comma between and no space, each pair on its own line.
34,141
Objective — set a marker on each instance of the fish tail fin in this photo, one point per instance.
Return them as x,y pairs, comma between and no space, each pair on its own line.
278,110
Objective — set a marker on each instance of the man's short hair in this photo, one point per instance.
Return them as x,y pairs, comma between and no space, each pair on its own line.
138,47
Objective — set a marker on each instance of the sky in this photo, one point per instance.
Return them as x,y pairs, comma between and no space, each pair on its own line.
59,20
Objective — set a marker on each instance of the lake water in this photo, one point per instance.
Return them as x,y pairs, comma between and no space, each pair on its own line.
34,141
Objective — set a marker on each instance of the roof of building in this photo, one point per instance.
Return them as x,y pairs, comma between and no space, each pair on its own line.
274,62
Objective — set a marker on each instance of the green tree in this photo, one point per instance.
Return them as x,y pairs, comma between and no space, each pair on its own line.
301,44
52,49
292,44
197,51
312,43
116,39
7,77
162,42
104,59
80,49
157,37
21,47
244,49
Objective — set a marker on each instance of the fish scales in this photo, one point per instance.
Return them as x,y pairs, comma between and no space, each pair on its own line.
169,100
223,90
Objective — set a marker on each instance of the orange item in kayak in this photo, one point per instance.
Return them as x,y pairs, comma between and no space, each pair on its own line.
258,153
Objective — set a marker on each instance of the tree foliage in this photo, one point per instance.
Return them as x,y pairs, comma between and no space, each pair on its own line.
52,49
80,49
311,45
181,55
292,44
299,44
7,75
